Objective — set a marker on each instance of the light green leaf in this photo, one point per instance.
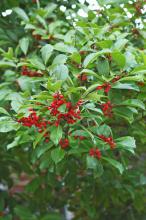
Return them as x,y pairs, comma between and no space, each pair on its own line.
57,155
64,48
24,44
115,164
60,59
46,52
135,103
38,138
104,130
7,64
124,112
3,111
14,143
90,58
21,13
61,72
95,164
119,58
103,67
37,63
129,86
126,143
56,134
54,86
7,124
120,44
76,57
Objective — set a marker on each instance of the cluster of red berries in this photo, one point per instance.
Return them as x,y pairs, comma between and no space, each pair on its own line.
31,120
82,77
72,113
95,152
108,140
34,120
107,109
79,137
26,72
105,86
64,143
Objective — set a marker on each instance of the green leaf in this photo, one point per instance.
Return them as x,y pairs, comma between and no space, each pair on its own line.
46,52
76,57
57,155
103,67
129,86
3,111
105,43
95,164
7,124
37,63
16,101
64,48
60,59
38,138
42,21
14,143
24,44
21,13
7,64
90,58
125,113
134,102
126,143
91,162
115,164
54,86
69,38
120,44
89,132
61,71
56,134
119,58
89,90
40,150
104,130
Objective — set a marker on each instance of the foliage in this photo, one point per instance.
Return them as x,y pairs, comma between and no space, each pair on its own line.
72,111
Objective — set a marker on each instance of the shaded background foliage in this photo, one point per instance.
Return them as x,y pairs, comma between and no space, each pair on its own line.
30,188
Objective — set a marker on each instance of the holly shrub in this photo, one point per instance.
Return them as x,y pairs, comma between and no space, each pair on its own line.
72,100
